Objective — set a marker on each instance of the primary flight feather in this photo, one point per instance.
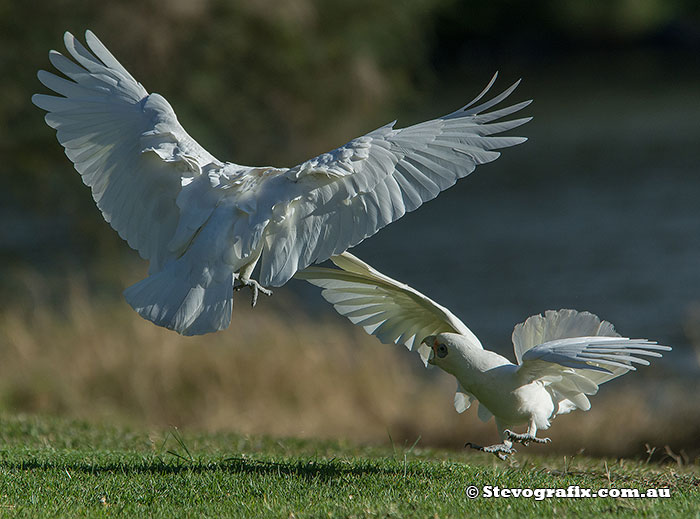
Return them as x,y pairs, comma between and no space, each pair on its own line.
561,357
205,224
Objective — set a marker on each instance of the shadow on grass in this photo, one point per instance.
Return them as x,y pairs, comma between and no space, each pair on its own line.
313,469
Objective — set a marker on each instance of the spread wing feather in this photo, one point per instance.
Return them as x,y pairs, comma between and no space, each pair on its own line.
594,353
127,145
577,353
384,307
348,194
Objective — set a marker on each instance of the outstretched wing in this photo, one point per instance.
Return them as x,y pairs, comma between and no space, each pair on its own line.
384,307
126,144
342,197
595,353
557,324
574,367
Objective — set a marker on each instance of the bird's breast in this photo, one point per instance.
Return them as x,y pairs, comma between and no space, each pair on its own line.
514,403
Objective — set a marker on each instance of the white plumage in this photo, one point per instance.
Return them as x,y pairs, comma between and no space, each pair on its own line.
205,224
562,357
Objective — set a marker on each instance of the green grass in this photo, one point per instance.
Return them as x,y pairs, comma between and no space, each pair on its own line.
52,467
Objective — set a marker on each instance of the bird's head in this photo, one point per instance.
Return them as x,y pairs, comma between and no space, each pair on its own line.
447,350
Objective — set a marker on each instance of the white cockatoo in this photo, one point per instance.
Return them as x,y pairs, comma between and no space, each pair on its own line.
562,357
205,224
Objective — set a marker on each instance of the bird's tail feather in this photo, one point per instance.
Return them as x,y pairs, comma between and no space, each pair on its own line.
188,304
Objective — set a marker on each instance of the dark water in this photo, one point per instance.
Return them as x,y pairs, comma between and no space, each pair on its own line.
599,211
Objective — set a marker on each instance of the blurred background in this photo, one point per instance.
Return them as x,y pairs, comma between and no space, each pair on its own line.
598,211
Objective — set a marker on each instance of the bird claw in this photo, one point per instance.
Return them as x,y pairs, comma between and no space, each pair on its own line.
255,288
525,439
500,450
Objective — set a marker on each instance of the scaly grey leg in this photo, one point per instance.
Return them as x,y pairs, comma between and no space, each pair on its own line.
525,439
501,450
255,288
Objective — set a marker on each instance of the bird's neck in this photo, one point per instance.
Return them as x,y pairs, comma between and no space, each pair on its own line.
476,366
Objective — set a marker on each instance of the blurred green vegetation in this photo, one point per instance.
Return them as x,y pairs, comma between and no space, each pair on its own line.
276,81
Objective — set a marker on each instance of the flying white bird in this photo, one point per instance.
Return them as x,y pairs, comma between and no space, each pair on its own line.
562,357
205,224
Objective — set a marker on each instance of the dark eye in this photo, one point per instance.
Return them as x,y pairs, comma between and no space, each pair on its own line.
442,351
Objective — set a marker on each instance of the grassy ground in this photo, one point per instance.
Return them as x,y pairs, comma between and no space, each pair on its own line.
51,467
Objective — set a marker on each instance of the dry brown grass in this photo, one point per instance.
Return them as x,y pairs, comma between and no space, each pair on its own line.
280,372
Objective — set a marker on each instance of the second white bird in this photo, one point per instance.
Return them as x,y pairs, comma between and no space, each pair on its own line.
562,357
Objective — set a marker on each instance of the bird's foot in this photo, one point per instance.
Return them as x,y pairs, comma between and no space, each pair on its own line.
255,288
525,439
500,450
